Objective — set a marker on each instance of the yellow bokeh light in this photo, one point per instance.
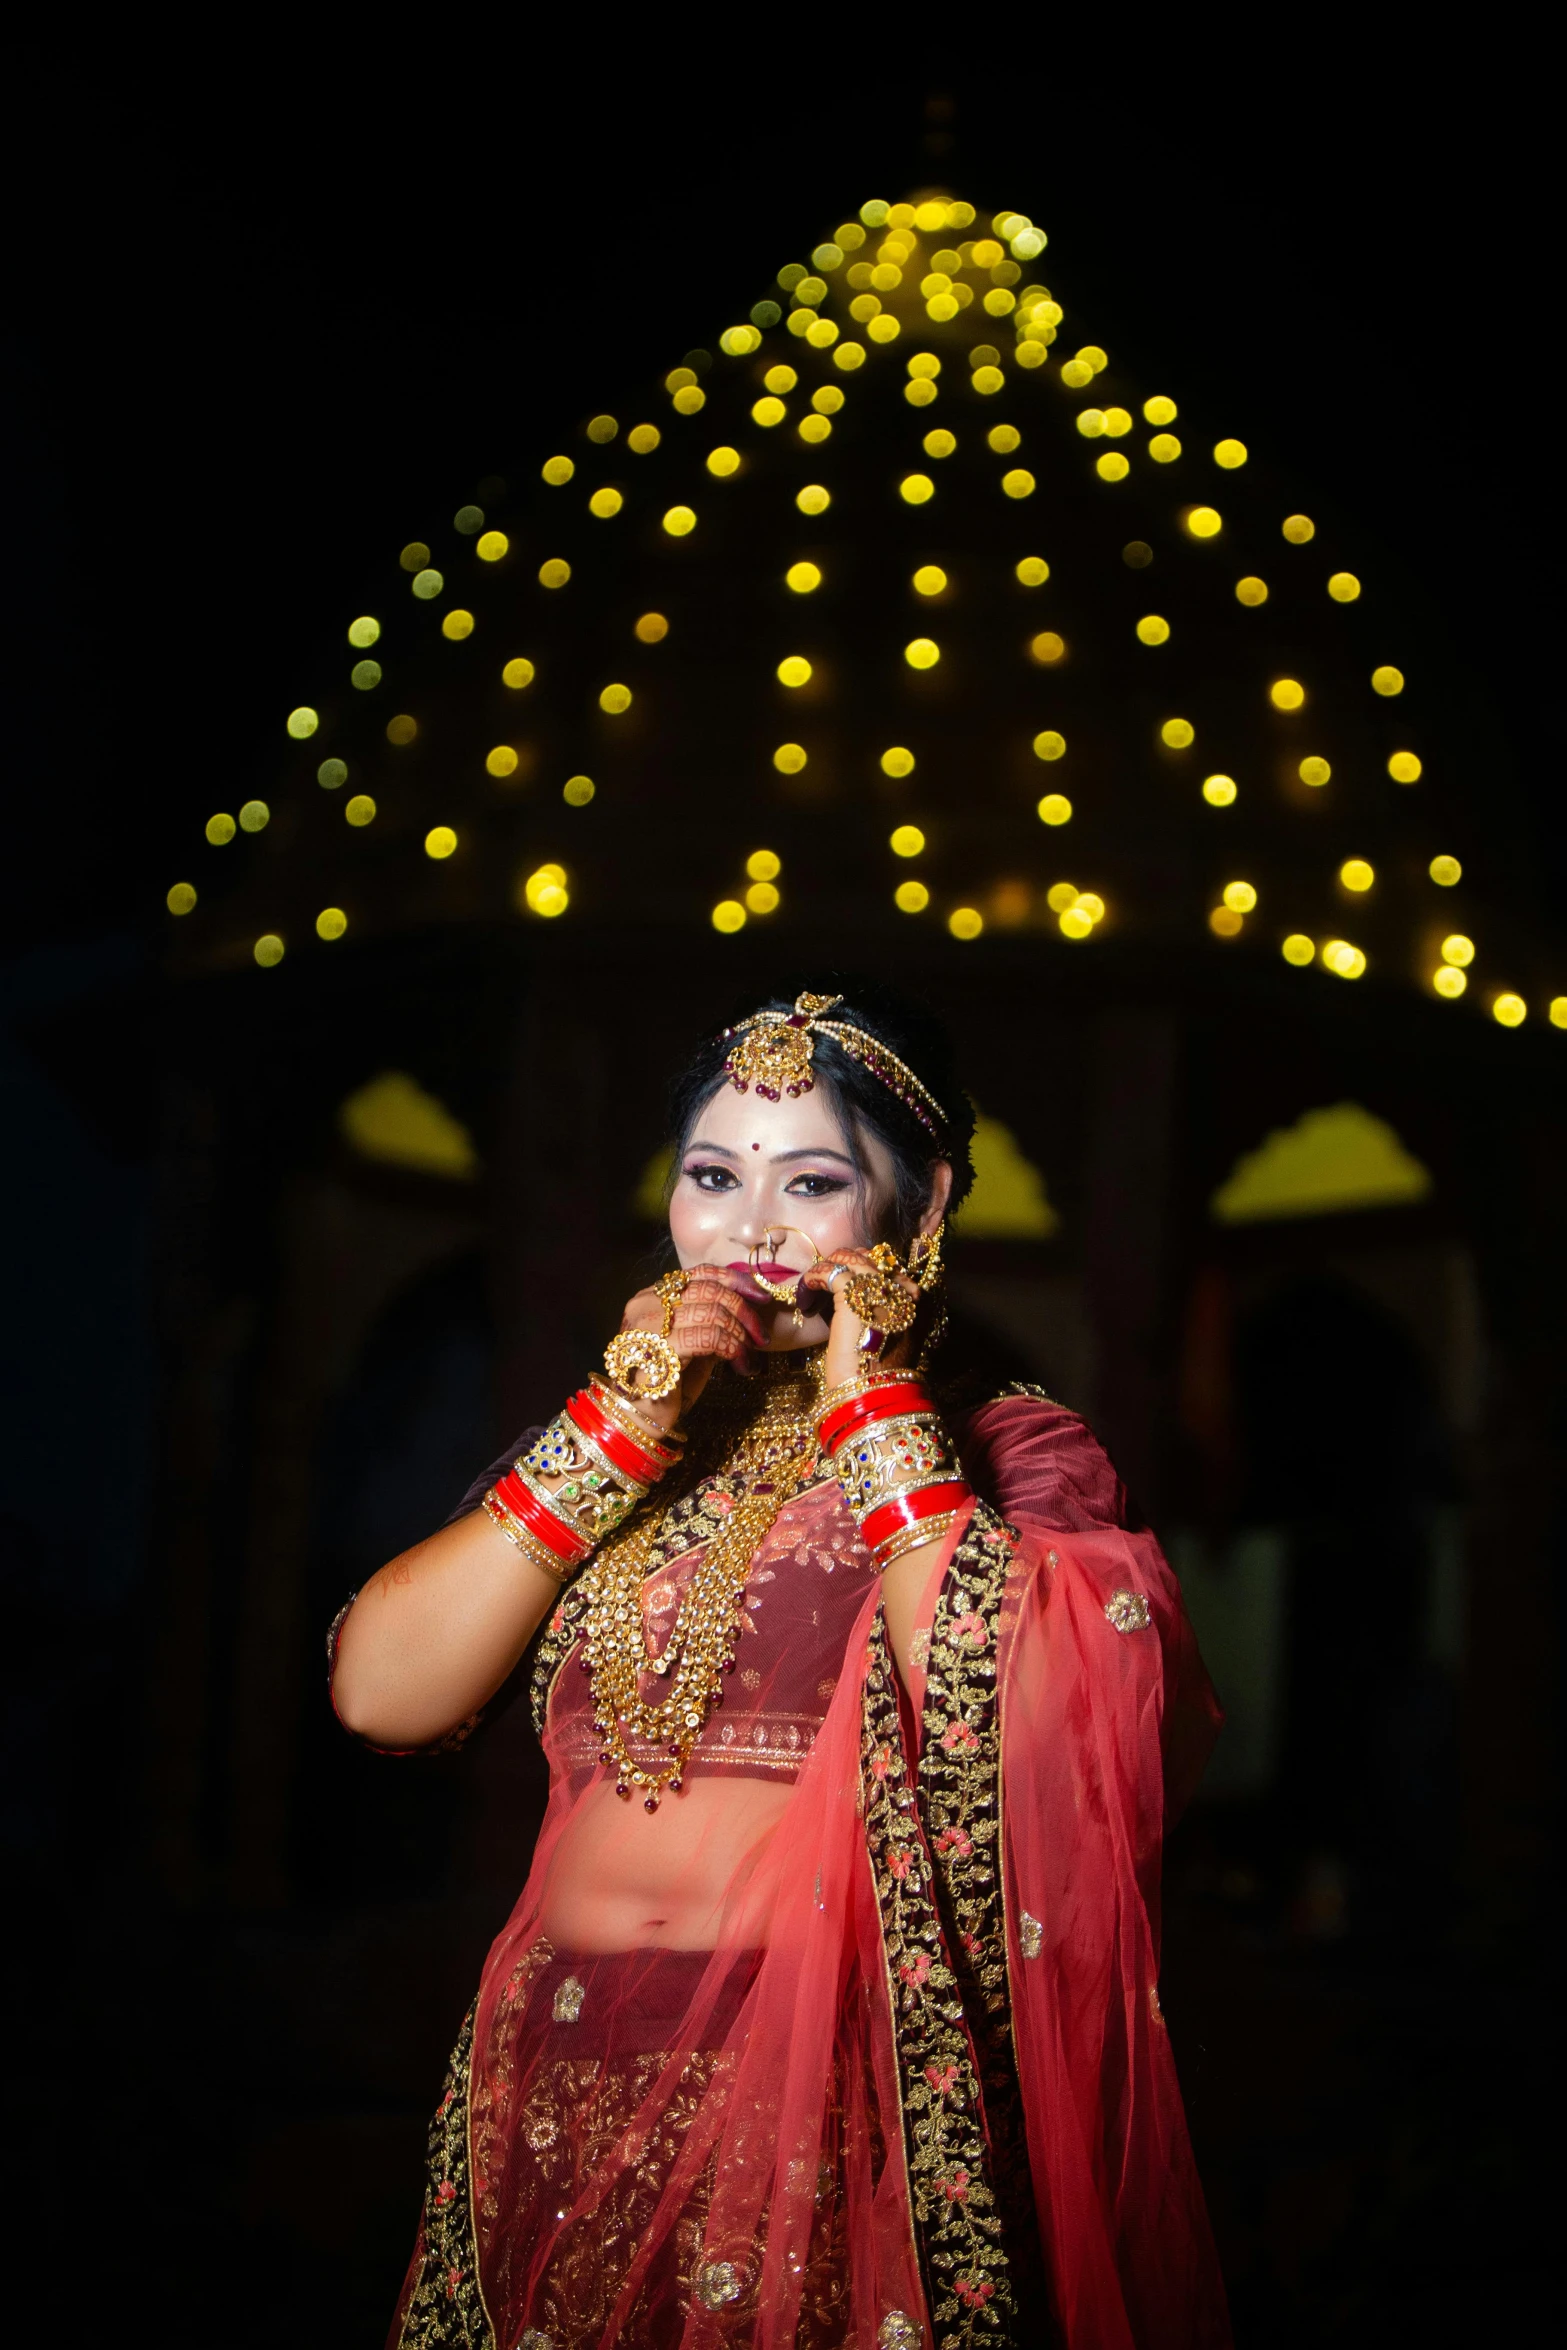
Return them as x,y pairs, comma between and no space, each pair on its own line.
502,761
768,412
643,439
544,891
883,330
1342,959
762,898
1060,895
1449,982
1343,587
517,674
689,400
577,790
922,652
557,471
1219,791
1076,373
813,499
555,573
1299,949
220,830
365,676
1049,744
1298,528
1509,1010
1203,522
427,586
1075,921
1055,808
828,399
1240,896
181,898
302,723
601,429
930,580
364,631
1112,466
911,897
614,699
1251,591
651,629
1387,680
919,394
1033,571
1558,1011
268,950
897,761
1356,874
1178,734
679,522
907,840
794,670
763,865
414,556
1091,423
360,811
780,379
1019,483
728,916
789,758
1164,448
604,503
1003,438
254,816
1229,454
494,544
1047,648
1458,950
1118,422
331,922
965,922
1404,767
987,381
939,443
1224,922
1159,410
803,578
1152,629
916,489
440,841
1316,772
1287,693
1446,872
849,356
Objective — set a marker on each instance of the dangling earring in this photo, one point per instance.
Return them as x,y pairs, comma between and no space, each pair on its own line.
925,1256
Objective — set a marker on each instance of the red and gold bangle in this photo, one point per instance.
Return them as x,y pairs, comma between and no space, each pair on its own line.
912,1513
879,1402
631,1455
534,1529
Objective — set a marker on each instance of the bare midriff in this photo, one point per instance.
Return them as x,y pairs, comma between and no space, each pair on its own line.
622,1878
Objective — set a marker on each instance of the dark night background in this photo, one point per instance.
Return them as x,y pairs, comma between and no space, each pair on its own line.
263,318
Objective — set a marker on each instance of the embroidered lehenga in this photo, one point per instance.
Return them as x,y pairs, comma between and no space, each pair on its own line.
918,2091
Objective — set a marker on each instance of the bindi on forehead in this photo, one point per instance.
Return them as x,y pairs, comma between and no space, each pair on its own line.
756,1146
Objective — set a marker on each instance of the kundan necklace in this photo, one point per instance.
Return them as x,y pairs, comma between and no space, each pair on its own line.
768,1461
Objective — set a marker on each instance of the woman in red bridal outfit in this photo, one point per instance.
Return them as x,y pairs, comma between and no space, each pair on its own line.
829,2012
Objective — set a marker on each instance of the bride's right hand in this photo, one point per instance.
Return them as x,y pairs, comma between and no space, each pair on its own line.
716,1321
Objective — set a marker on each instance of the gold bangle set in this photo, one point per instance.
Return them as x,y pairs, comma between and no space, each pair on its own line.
594,1496
517,1534
893,1458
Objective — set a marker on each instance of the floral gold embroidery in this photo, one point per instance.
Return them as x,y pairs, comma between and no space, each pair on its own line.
944,2129
897,2331
1030,1934
1128,1611
569,1996
717,2282
445,2309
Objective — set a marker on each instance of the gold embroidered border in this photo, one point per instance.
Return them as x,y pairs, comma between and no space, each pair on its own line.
967,2271
960,1795
446,2307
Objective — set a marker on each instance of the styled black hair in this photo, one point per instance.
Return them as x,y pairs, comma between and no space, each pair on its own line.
864,1105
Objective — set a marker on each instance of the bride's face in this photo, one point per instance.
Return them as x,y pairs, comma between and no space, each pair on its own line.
755,1166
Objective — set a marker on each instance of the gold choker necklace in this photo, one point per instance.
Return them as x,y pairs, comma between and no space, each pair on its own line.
760,1437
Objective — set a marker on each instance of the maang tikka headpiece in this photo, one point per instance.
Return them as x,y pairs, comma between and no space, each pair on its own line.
776,1050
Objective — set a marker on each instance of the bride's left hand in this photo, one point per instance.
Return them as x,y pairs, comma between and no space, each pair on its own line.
844,1358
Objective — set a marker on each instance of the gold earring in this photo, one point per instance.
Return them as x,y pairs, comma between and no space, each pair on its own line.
925,1256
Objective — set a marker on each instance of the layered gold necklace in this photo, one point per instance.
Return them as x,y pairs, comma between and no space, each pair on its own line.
760,1442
